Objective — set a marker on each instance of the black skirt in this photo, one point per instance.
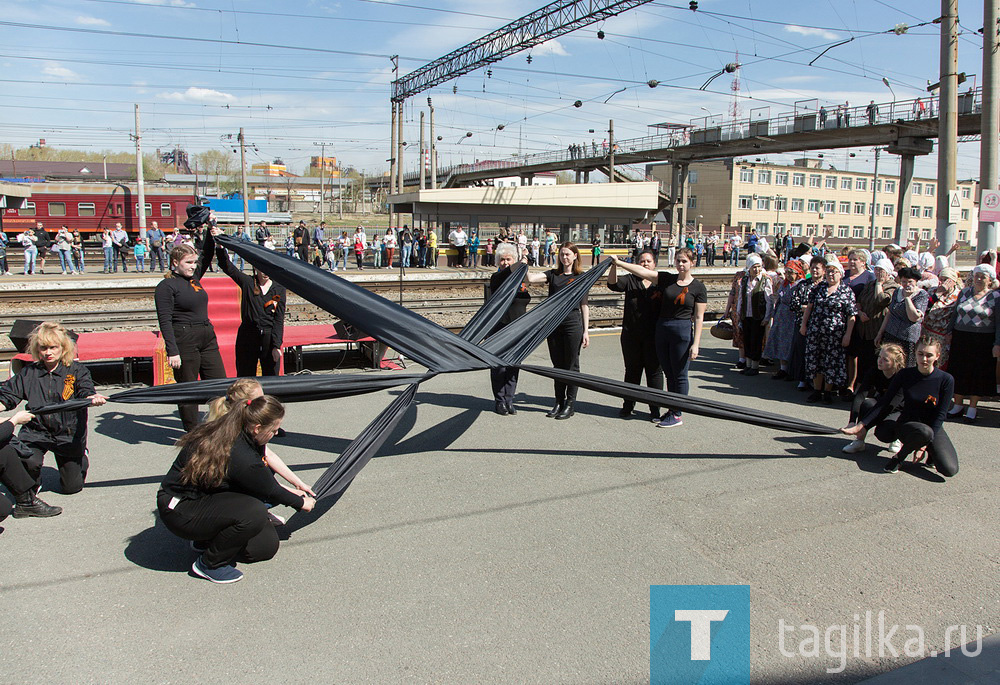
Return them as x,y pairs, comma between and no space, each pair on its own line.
972,364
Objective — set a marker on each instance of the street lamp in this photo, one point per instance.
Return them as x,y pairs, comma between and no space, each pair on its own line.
892,107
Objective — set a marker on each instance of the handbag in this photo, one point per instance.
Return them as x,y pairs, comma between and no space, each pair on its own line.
723,330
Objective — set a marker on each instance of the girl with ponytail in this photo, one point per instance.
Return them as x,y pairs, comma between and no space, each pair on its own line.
215,491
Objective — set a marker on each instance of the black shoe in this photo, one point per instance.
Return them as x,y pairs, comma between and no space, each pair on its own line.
781,375
511,409
766,362
827,398
846,395
500,408
814,396
565,412
29,505
555,410
624,413
892,466
741,365
750,372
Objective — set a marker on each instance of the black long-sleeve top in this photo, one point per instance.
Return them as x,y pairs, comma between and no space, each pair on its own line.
247,474
37,387
6,432
925,398
642,304
181,300
263,311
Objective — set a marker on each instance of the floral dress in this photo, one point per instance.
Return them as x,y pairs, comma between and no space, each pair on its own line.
828,319
779,338
937,322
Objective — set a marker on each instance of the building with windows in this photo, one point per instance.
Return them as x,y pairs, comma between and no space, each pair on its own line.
806,199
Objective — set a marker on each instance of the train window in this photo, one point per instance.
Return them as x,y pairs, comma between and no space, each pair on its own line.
86,209
117,209
166,209
27,209
57,209
149,209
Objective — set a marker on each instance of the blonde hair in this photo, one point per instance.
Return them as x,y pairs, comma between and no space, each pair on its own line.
51,333
895,354
180,252
241,390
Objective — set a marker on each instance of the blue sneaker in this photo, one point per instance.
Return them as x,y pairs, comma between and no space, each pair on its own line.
222,575
669,421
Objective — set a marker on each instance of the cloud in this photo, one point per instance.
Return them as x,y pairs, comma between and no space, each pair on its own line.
199,95
804,31
91,21
54,69
550,47
166,3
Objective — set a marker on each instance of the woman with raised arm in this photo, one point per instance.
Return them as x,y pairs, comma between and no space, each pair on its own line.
571,335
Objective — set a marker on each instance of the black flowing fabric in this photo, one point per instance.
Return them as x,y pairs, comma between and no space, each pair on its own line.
483,321
644,395
411,334
515,341
285,388
340,474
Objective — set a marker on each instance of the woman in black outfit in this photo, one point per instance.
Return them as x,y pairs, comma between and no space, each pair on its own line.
262,319
566,341
927,394
891,359
504,378
15,477
214,493
182,312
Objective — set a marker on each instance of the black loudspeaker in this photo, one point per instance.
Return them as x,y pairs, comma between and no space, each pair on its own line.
22,328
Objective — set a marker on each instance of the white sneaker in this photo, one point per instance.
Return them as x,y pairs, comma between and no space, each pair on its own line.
854,447
895,446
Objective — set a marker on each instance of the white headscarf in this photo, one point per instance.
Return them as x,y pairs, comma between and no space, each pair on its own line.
835,263
912,257
940,263
753,259
886,265
926,261
987,269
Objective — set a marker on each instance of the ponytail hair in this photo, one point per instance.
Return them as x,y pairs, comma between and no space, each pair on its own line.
241,390
211,443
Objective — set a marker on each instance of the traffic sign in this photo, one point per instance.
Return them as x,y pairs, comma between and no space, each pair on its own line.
954,207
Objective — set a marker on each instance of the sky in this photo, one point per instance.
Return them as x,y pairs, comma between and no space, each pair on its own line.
297,74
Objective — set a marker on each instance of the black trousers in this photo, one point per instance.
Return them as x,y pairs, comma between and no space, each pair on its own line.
504,382
122,254
460,257
639,354
200,357
71,460
234,525
564,351
303,252
797,364
914,435
157,255
252,346
14,477
753,338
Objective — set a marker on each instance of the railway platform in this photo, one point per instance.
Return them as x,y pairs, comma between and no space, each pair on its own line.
488,549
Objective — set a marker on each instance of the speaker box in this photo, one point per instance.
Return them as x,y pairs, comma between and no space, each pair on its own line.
22,328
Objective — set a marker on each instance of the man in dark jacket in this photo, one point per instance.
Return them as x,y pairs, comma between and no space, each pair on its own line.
301,238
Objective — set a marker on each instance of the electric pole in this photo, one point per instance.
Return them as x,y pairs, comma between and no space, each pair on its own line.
243,179
322,187
422,166
986,239
947,125
139,177
871,233
434,163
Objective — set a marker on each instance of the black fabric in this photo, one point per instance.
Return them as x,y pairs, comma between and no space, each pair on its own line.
505,295
198,215
246,474
516,341
339,475
411,334
678,402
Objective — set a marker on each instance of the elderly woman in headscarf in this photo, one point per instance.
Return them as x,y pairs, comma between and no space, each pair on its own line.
975,342
940,309
827,323
754,305
782,331
928,275
906,310
797,304
873,302
857,276
732,312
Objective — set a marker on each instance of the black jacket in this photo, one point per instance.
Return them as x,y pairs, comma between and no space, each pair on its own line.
38,387
264,312
247,474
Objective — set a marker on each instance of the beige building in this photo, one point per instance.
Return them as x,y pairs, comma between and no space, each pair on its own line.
806,199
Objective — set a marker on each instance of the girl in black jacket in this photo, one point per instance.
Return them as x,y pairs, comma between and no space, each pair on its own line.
214,493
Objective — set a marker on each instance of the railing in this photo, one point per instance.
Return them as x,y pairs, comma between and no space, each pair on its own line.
805,118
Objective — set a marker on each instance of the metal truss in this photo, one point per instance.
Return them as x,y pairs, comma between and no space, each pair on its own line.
555,19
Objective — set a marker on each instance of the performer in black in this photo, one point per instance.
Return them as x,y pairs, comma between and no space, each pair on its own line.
927,393
504,378
214,493
182,313
262,319
638,339
15,477
566,341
